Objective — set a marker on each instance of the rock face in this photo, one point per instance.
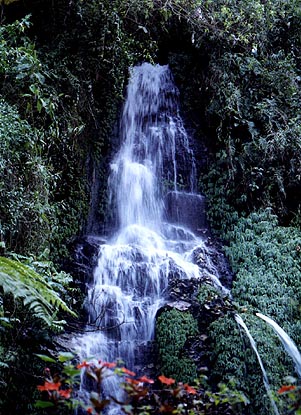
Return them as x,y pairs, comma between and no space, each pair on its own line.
81,263
213,255
179,305
186,209
83,259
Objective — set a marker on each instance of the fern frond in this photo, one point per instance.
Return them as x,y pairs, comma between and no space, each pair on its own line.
32,289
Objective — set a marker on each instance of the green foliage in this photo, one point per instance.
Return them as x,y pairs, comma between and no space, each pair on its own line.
31,307
59,281
240,65
235,359
26,78
207,293
29,177
266,259
173,330
22,282
258,133
242,94
25,184
251,94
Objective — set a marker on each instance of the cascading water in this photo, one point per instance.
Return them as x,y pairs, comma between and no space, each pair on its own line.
242,324
287,342
150,244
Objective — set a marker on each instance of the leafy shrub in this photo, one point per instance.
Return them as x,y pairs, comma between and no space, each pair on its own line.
266,259
31,310
138,398
25,182
173,329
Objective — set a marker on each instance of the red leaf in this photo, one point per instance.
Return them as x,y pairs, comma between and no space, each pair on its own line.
145,379
132,381
65,393
82,365
286,388
49,386
127,371
165,380
189,389
107,364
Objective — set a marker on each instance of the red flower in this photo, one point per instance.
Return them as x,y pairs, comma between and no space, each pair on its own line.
127,371
65,393
83,364
132,381
49,386
145,379
90,410
189,389
107,364
286,388
165,380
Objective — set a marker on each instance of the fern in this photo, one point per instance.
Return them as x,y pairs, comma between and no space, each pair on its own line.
32,289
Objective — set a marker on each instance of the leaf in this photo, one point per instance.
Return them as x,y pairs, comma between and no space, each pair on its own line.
65,357
71,371
39,105
43,404
46,358
32,289
5,322
40,77
165,380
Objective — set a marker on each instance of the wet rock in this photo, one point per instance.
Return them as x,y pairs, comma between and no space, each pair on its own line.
184,289
186,209
83,259
179,305
211,256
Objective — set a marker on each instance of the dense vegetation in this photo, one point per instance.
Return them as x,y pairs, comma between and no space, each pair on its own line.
171,349
63,68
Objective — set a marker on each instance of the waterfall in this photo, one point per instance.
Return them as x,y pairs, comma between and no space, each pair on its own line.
287,342
240,321
153,169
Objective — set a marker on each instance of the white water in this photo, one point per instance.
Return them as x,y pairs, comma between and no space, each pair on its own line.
287,342
240,321
131,279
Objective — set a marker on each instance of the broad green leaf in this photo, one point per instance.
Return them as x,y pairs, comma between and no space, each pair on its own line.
32,289
46,358
71,371
65,356
43,404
